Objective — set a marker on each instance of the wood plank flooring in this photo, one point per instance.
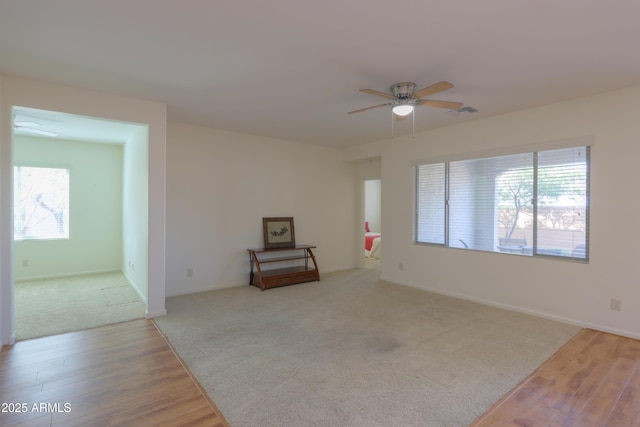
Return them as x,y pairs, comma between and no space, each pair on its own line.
123,374
594,380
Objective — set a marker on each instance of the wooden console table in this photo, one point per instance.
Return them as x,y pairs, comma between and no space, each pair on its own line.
282,276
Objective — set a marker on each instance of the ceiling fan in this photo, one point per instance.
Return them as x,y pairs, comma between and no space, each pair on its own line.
405,98
31,127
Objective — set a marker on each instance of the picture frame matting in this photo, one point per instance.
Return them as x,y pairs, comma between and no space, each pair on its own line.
278,232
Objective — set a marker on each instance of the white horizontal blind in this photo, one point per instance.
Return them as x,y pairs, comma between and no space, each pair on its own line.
528,204
562,202
430,203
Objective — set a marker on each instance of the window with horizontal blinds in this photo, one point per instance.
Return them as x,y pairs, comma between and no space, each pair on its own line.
531,204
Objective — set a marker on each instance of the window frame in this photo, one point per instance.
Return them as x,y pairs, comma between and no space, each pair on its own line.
531,149
67,235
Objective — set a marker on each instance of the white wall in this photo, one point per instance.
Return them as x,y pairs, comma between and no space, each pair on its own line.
7,334
574,292
18,91
95,206
135,211
221,184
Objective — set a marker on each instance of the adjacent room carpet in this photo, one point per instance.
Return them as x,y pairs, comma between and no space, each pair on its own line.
53,306
352,350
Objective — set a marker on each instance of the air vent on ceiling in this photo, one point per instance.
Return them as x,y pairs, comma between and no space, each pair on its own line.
467,109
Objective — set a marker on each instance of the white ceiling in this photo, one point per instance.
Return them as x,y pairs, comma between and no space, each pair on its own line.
291,69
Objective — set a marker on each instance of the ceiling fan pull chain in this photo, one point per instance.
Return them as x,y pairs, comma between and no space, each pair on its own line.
413,118
393,119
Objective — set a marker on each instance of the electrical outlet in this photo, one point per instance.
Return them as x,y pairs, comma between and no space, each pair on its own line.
400,266
189,272
616,304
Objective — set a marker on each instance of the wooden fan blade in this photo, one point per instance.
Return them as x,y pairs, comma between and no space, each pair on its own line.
35,131
449,105
368,108
26,123
375,92
430,90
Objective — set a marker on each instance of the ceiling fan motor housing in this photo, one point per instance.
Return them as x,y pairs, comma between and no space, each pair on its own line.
403,91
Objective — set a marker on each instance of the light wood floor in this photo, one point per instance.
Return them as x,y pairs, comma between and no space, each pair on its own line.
122,374
594,380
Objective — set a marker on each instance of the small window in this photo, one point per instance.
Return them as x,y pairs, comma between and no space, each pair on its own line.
40,203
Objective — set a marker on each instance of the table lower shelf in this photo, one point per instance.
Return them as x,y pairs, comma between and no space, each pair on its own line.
285,276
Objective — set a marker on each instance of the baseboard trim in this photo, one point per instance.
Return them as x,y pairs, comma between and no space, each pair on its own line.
135,288
234,285
152,314
519,309
205,289
63,275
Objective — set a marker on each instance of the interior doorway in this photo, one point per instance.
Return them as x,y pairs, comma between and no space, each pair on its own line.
75,235
373,221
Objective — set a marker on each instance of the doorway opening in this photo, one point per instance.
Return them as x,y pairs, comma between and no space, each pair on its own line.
71,238
373,222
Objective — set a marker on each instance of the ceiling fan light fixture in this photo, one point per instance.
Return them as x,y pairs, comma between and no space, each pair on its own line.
402,110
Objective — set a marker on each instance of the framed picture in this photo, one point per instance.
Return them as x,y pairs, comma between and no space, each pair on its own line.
278,232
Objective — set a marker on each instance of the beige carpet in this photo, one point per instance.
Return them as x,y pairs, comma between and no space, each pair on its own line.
352,350
53,306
